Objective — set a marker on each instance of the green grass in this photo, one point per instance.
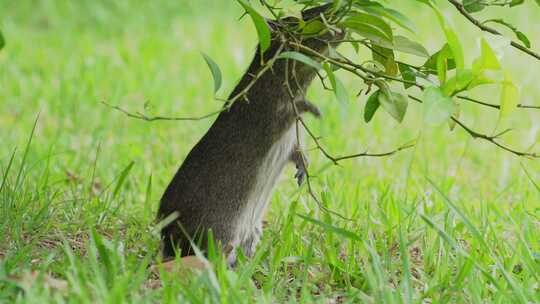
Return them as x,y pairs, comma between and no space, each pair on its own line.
452,220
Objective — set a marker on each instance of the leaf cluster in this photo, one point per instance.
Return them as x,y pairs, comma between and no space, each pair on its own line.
442,83
388,33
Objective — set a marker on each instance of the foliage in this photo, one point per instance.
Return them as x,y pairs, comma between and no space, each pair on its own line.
444,77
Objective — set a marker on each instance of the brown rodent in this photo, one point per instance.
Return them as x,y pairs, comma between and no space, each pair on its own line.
226,181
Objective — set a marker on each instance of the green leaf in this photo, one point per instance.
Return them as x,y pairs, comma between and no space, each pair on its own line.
442,63
372,105
451,37
356,46
523,38
393,103
402,44
509,96
455,45
457,113
372,21
473,6
426,2
408,46
431,63
339,89
313,28
438,108
487,60
263,31
375,66
300,57
520,35
458,83
481,79
516,2
330,228
392,15
214,69
385,56
366,30
463,80
407,74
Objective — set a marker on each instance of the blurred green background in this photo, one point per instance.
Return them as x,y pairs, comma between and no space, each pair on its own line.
63,58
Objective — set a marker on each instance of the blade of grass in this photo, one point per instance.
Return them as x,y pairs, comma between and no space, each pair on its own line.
25,154
476,233
8,168
331,228
530,177
122,179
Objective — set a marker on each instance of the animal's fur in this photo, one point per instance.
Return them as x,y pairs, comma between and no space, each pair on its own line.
226,181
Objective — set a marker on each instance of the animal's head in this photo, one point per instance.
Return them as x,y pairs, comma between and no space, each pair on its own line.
308,34
311,30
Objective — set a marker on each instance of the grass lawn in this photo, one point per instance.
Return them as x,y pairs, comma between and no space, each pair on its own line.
452,220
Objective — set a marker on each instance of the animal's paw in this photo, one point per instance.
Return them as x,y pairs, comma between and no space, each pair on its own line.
300,175
307,106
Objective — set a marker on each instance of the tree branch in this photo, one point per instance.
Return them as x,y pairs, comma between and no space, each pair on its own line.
459,6
319,146
141,116
492,139
366,154
495,106
228,103
466,98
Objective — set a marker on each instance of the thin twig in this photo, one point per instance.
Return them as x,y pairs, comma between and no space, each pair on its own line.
495,106
228,103
492,139
351,67
366,44
142,116
459,6
335,160
366,154
299,145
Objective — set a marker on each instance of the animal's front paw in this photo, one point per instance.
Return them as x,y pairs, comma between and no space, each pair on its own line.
301,162
300,175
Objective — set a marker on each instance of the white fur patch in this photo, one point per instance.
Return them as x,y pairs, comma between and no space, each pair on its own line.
267,177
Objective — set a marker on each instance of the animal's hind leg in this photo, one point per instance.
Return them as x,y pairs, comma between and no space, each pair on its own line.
299,159
250,243
173,243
